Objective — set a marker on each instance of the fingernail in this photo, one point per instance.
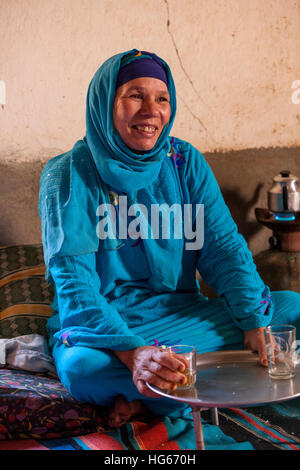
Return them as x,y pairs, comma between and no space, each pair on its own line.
181,368
174,386
183,380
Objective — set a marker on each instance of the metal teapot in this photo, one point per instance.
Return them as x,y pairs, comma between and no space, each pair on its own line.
284,195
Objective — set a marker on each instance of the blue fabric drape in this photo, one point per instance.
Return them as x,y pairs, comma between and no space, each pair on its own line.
72,185
100,295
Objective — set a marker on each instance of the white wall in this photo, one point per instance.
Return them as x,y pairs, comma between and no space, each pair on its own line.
234,62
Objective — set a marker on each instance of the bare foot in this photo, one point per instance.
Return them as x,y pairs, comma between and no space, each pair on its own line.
123,410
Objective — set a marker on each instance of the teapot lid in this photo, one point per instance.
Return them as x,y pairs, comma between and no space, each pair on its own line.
285,176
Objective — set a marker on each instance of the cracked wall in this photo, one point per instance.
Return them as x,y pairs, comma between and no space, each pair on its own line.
234,63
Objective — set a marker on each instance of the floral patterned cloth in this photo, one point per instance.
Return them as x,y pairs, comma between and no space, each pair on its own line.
38,406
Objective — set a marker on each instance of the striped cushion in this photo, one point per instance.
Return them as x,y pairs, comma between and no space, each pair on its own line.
25,296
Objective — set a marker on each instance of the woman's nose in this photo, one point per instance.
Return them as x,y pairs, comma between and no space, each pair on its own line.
149,106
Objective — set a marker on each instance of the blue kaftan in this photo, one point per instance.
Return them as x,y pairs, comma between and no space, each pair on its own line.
104,300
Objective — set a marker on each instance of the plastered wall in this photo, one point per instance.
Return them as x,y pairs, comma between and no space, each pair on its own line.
234,64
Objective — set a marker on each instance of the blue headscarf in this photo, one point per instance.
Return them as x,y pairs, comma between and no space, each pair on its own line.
73,184
117,165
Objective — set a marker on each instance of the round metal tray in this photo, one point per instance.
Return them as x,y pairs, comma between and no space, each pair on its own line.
228,379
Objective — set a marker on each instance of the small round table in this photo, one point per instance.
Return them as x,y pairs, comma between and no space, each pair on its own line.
231,379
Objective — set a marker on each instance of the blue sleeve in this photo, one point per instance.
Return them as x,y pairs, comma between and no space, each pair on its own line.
86,317
225,262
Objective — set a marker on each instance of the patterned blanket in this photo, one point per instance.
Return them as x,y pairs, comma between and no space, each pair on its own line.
255,429
37,413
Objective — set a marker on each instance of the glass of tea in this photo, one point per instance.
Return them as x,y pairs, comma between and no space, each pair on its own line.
188,353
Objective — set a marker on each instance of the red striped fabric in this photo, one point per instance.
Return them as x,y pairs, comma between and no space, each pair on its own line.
21,444
100,441
264,429
153,436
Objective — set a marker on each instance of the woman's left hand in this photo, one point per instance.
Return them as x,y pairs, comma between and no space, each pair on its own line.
255,341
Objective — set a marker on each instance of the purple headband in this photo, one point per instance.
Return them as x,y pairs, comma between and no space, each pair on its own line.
141,64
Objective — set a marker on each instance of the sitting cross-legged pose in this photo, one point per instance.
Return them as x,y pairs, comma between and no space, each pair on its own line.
128,215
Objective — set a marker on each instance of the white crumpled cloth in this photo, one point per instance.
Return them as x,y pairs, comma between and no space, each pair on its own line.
28,352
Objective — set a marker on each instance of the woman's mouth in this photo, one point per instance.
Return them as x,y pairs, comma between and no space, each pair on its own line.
145,129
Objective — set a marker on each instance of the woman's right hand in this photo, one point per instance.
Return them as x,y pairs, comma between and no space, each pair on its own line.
156,366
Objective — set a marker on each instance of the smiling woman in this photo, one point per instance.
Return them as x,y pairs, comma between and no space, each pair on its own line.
116,301
141,111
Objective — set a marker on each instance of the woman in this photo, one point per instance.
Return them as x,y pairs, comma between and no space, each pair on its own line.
118,298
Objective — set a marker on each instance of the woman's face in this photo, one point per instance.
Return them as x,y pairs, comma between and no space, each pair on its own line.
141,110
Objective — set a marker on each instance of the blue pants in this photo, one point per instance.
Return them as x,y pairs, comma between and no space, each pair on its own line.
98,376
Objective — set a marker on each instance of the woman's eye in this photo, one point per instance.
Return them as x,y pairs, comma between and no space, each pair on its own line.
162,99
136,95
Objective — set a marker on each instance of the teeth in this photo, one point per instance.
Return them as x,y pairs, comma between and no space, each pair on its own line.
146,128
